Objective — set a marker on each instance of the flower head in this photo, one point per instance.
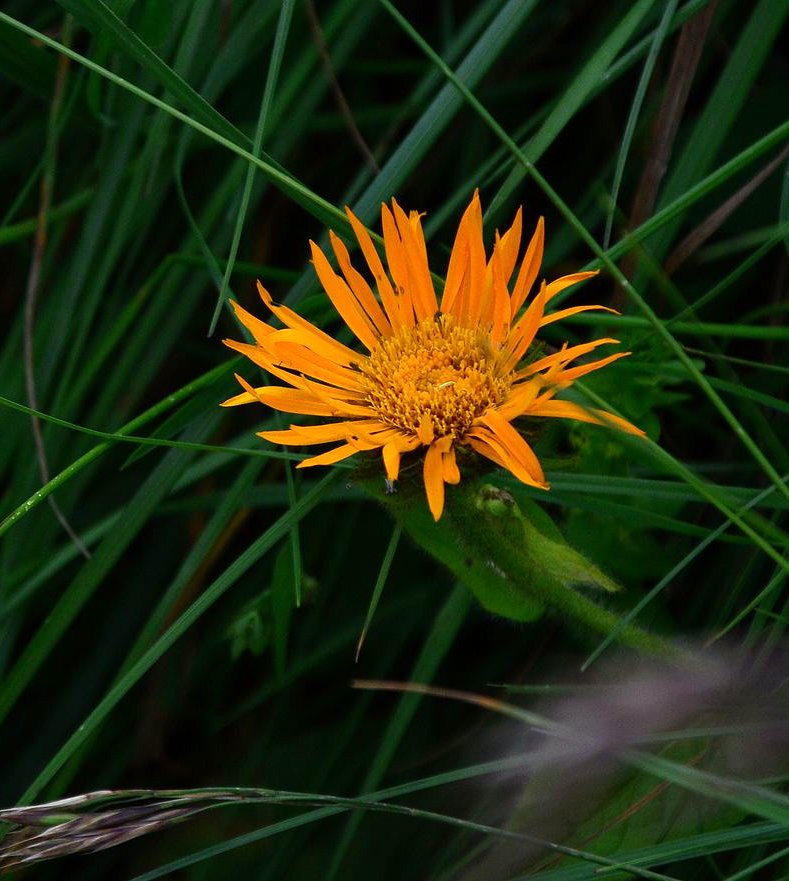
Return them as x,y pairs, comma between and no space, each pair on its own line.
440,376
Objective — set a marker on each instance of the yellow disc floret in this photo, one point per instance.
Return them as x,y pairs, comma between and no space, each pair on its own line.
435,378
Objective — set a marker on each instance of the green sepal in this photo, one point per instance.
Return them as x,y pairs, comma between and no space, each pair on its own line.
455,546
549,556
511,556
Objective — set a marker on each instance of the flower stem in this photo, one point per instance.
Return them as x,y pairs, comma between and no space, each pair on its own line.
515,563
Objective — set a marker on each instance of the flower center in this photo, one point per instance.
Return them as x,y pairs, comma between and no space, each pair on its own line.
435,378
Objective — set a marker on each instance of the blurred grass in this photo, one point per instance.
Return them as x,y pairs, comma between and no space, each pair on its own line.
198,146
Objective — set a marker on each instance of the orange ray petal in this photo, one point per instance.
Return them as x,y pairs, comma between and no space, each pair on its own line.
514,444
287,437
315,344
486,442
565,377
341,354
361,290
415,220
393,245
337,398
569,410
391,456
519,399
449,467
295,401
433,474
358,428
467,268
259,329
477,265
462,306
484,448
374,437
458,267
258,355
457,274
548,382
525,330
425,432
264,359
406,443
420,284
501,301
305,435
529,267
296,356
344,301
567,281
566,313
385,289
243,398
395,258
330,457
310,399
564,356
288,400
509,245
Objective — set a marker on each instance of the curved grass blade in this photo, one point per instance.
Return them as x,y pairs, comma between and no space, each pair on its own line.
302,195
752,50
280,38
97,17
151,413
383,574
573,98
135,514
671,575
635,111
200,606
442,634
147,441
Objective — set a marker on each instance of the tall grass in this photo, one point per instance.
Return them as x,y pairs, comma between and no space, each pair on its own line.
181,608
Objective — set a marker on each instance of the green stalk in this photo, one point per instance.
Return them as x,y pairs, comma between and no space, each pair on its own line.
512,559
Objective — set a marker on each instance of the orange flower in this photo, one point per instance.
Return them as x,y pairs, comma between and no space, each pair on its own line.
433,376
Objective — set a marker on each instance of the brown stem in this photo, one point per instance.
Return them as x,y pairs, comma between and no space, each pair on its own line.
683,68
339,97
34,280
696,238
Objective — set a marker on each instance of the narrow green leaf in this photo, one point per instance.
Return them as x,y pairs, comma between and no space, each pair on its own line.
635,111
438,642
723,108
204,602
87,580
574,97
280,38
380,581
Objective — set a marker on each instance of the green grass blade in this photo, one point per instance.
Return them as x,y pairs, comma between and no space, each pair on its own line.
723,108
442,634
635,111
280,38
671,575
101,20
574,97
301,194
380,581
207,599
